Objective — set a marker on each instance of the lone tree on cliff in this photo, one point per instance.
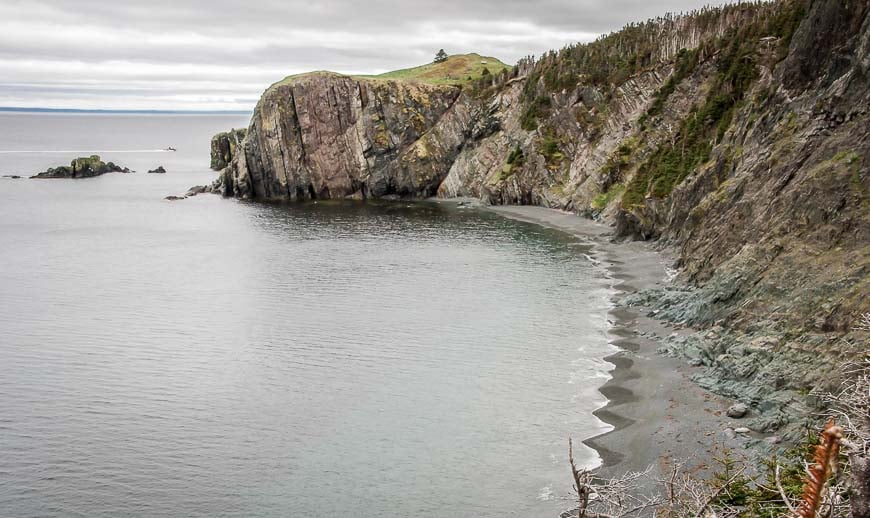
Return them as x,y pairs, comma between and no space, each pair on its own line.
441,56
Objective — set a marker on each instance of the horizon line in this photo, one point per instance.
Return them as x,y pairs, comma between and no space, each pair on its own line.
16,109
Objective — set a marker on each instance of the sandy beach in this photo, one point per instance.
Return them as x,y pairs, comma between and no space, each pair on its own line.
657,412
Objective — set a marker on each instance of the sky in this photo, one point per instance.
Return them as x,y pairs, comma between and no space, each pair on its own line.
221,54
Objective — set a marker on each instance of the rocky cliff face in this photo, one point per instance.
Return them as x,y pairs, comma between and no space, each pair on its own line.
324,135
737,135
224,147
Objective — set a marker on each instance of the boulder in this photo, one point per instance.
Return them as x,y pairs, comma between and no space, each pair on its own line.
159,170
737,411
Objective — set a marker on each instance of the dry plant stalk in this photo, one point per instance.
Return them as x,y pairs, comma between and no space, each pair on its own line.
582,479
614,498
823,466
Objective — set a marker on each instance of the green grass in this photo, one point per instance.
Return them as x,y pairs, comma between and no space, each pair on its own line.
603,200
461,69
293,78
457,70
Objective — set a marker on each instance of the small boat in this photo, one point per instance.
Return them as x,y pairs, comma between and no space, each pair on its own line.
170,148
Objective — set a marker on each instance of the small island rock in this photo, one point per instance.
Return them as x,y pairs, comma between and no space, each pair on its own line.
159,170
83,167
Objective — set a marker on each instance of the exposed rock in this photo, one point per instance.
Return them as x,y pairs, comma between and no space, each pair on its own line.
159,170
198,189
224,146
325,135
12,176
737,411
774,439
83,167
742,430
175,198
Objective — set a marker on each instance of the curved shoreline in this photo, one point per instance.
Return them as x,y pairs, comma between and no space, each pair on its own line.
656,411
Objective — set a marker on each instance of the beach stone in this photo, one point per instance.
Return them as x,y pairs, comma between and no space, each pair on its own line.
742,429
729,433
775,439
737,410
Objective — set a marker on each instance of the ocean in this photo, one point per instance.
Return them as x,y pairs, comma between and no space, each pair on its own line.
214,357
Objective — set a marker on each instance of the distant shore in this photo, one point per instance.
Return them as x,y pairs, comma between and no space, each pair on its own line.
656,411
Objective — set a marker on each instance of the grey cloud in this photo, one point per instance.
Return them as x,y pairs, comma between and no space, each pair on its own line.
244,46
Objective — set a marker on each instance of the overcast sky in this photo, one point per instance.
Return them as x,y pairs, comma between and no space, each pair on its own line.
221,54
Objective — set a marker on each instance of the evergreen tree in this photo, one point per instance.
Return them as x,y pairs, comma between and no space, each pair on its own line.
441,56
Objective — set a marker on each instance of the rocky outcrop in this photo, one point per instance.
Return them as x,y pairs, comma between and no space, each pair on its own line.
158,170
224,146
83,167
325,135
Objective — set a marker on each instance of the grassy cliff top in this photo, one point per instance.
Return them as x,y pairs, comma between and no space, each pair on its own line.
456,70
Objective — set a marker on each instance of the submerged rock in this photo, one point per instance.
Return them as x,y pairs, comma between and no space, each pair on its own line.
159,170
11,176
193,191
83,167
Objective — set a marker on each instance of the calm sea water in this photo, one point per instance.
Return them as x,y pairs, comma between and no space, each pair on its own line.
211,357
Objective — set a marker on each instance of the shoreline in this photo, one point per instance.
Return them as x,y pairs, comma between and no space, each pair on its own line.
656,411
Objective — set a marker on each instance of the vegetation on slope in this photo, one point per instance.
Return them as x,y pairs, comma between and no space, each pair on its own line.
612,59
737,69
